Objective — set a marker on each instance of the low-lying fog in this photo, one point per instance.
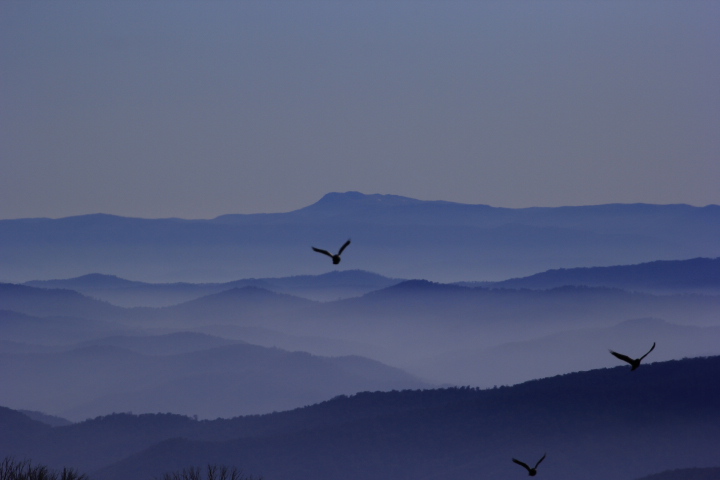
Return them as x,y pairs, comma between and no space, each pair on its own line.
251,350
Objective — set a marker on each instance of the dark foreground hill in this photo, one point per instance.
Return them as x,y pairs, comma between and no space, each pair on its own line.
601,424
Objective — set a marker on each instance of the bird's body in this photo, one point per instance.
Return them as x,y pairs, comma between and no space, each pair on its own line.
634,362
532,471
335,257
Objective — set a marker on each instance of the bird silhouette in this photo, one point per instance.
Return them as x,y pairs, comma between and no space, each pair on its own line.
634,362
336,257
531,471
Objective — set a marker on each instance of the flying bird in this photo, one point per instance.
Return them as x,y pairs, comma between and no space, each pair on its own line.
336,257
531,471
634,362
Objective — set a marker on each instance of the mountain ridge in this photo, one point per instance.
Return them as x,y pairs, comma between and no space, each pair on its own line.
394,236
378,453
580,419
695,274
131,293
243,379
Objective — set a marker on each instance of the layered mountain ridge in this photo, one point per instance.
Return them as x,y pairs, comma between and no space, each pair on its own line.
394,236
580,419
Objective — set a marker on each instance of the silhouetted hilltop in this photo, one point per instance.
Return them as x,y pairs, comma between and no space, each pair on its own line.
21,435
665,413
395,209
350,206
697,274
394,236
109,438
591,418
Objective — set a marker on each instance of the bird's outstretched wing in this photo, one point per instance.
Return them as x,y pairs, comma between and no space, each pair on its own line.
622,357
343,247
323,251
651,349
543,458
521,463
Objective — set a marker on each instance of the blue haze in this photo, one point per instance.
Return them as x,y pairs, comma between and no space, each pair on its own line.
196,109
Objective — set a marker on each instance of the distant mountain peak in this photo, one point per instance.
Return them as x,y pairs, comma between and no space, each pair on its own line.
354,196
337,202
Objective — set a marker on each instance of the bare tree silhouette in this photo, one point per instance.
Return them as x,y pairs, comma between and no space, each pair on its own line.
11,469
213,472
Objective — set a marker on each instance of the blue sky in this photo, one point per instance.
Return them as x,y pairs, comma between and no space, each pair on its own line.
200,108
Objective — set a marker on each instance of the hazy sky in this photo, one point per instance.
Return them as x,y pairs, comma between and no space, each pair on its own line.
200,108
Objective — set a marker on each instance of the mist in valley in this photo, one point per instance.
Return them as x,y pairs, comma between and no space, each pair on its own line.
353,358
388,240
412,375
260,351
